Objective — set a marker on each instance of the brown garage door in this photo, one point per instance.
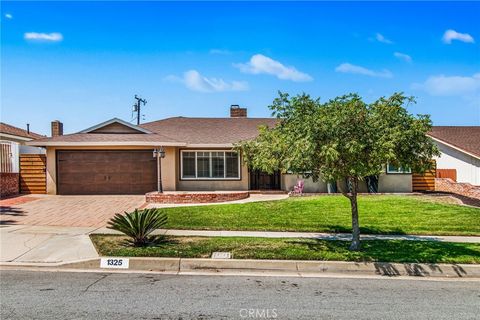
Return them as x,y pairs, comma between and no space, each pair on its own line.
106,172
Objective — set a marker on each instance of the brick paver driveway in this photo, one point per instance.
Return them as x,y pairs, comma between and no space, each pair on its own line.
67,211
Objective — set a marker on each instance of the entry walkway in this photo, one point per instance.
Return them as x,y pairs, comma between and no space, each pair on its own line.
315,235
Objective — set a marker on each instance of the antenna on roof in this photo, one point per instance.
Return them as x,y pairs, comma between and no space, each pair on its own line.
136,107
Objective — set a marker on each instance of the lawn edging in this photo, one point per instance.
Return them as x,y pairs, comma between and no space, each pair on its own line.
302,268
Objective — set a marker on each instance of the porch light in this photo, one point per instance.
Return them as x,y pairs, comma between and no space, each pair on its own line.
161,152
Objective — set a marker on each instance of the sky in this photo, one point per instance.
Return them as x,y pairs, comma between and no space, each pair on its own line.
83,62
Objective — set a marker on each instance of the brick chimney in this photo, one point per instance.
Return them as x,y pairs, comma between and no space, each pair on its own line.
57,128
237,112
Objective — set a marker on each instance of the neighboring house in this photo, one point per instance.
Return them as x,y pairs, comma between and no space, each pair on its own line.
18,135
116,157
12,145
460,150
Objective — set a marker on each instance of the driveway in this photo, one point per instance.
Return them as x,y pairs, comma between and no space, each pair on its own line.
65,211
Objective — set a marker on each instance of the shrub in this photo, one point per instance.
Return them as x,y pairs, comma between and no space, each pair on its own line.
139,224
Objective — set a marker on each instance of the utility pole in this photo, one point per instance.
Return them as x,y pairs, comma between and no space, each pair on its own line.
136,107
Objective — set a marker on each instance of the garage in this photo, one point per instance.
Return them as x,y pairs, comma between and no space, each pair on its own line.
106,172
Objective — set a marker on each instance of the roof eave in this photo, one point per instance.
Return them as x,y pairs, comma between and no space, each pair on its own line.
454,147
104,144
13,136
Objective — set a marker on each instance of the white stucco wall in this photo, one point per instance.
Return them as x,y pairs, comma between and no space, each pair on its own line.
468,167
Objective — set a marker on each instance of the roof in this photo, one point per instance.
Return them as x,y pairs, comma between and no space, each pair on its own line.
464,138
209,130
177,131
15,131
115,120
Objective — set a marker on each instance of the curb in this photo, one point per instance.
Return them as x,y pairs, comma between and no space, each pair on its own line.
276,267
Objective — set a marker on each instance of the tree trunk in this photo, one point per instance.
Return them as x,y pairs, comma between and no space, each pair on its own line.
355,245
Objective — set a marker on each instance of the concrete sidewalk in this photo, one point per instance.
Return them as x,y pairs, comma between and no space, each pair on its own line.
38,244
316,235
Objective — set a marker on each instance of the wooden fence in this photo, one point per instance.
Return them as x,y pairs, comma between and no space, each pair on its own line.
33,177
447,173
424,181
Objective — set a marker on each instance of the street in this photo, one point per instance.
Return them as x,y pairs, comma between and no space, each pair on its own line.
62,295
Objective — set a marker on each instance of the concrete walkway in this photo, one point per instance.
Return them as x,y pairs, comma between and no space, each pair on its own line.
44,244
251,198
315,235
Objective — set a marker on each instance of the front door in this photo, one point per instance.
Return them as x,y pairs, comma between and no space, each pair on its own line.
264,181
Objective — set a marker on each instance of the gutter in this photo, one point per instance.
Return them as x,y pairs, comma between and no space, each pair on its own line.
128,143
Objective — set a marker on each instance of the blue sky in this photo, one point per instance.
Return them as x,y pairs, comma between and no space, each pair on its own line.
82,62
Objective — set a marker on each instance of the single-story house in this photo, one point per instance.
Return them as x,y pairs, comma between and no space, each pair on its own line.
18,135
116,157
460,152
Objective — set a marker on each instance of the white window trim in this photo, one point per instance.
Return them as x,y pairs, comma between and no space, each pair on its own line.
239,177
398,172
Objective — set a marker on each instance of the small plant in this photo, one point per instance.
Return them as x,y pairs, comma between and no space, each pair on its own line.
139,224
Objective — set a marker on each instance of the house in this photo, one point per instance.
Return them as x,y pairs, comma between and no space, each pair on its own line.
460,152
12,145
18,135
116,157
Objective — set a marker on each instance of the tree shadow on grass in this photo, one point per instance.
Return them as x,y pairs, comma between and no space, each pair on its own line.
400,251
364,230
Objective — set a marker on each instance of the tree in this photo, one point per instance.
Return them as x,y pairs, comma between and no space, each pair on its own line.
343,139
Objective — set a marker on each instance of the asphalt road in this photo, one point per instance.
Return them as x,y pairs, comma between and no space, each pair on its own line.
55,295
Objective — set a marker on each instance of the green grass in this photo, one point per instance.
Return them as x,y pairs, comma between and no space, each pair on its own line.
378,215
295,249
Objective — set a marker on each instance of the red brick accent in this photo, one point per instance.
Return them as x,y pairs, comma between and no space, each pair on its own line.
464,189
193,197
9,184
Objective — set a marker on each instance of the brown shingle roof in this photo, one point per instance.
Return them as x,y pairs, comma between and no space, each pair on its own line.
209,130
179,131
9,129
466,138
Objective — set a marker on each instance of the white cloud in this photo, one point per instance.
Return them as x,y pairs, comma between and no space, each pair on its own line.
403,56
442,85
350,68
380,38
35,36
262,64
8,16
220,51
450,35
193,80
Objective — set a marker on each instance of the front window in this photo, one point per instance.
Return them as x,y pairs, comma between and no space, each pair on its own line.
210,165
188,161
394,169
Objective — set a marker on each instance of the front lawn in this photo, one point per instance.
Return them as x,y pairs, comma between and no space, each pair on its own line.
382,214
295,249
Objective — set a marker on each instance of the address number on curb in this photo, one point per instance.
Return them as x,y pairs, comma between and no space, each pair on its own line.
114,263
